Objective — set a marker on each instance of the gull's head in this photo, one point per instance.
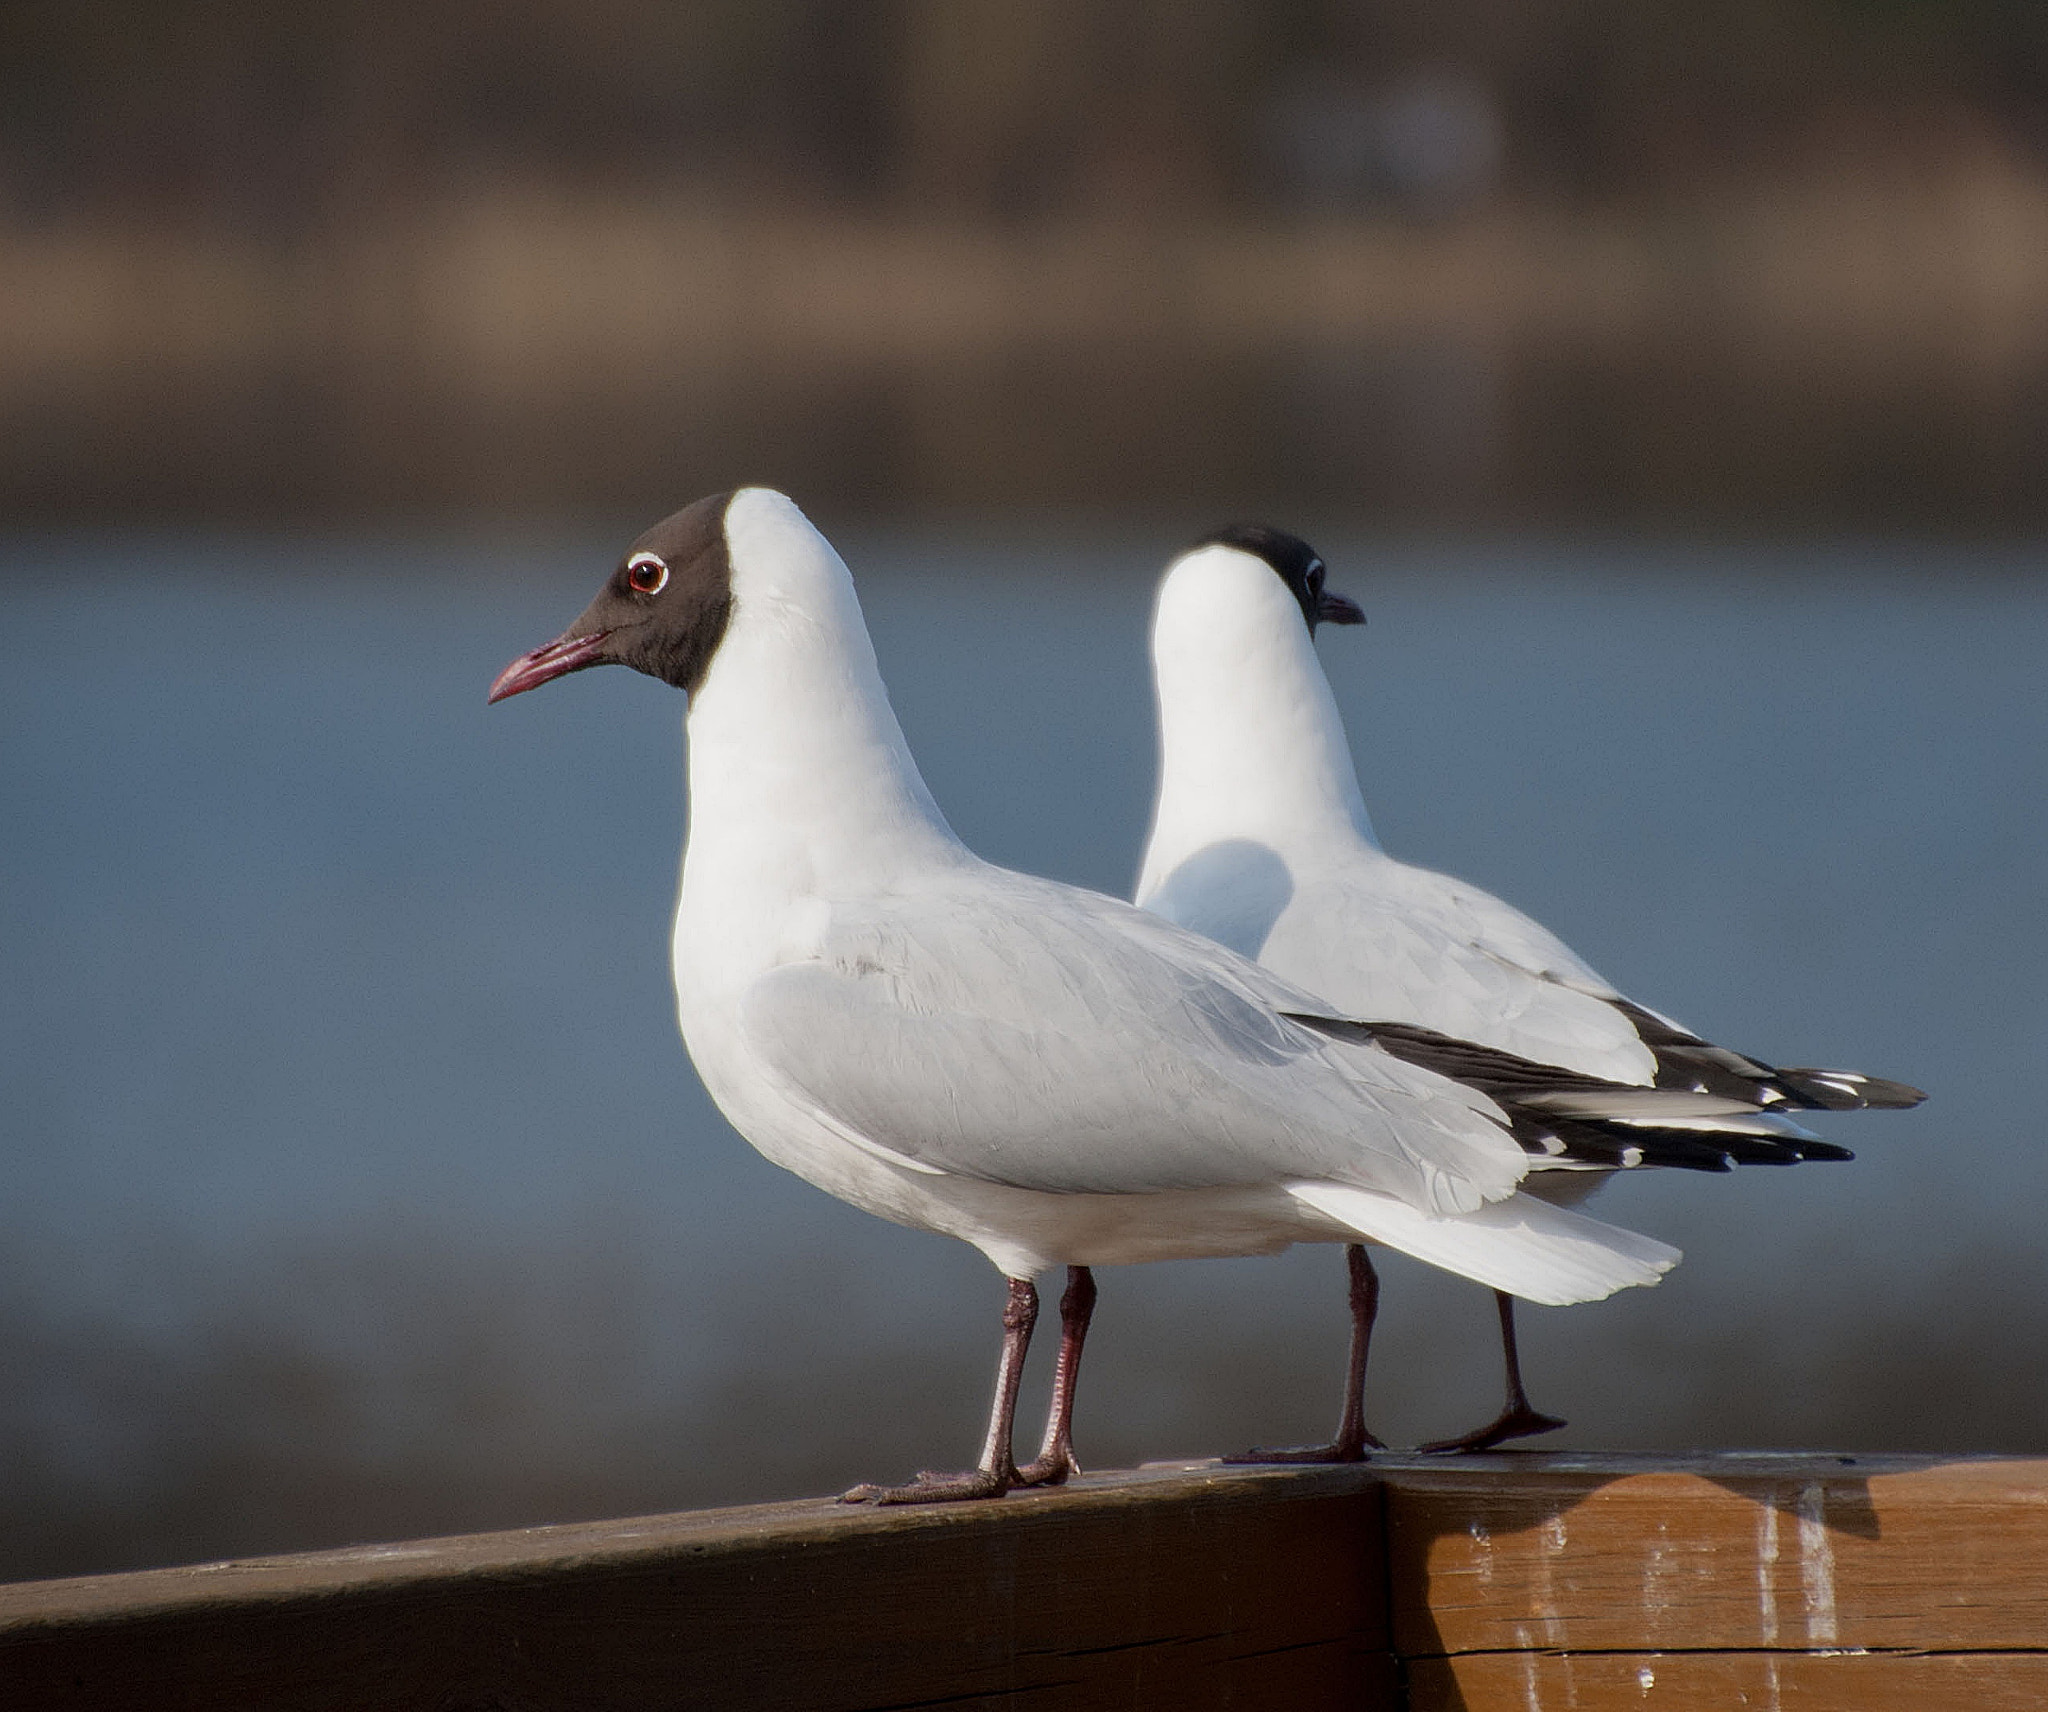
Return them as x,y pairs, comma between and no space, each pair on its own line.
662,611
1298,566
1251,744
1242,601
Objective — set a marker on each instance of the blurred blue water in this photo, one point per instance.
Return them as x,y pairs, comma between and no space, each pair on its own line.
356,1181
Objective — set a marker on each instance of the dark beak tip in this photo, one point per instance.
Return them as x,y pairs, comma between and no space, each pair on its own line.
563,655
1337,609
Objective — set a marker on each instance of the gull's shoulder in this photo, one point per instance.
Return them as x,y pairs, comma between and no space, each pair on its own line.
1459,912
991,927
1392,942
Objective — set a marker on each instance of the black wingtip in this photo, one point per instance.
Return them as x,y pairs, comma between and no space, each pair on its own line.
1886,1096
1849,1090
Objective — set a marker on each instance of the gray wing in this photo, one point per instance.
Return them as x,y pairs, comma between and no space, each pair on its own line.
1025,1033
1388,943
1393,943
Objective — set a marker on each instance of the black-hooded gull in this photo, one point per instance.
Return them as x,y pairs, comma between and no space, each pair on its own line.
1052,1075
1260,840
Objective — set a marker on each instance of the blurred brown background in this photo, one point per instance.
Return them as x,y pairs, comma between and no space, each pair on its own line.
1669,380
1742,264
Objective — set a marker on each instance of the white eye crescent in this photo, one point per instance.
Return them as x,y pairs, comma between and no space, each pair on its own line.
646,573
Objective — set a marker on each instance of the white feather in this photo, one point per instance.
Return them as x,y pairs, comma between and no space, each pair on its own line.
1049,1074
1525,1246
1260,839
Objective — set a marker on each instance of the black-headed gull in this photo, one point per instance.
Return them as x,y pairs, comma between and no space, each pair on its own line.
1049,1074
1260,839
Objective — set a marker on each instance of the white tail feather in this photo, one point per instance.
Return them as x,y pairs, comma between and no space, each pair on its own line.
1521,1245
1661,1108
1774,1124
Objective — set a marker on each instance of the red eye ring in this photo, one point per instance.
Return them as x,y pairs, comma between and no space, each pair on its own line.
646,573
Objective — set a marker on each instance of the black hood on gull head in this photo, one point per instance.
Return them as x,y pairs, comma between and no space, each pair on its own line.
663,611
1296,563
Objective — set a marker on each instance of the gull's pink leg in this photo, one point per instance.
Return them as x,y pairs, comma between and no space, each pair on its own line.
1055,1460
1516,1419
1352,1439
997,1472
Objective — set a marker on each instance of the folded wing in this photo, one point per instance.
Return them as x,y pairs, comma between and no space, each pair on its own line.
1387,941
1024,1033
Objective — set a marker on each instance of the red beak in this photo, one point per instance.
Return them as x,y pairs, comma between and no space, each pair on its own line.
530,671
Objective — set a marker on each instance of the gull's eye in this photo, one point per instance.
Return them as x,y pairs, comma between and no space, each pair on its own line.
1315,576
646,573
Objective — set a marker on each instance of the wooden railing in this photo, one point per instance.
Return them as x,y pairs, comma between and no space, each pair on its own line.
1508,1581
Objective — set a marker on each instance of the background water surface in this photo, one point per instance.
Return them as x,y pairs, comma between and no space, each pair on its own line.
357,1184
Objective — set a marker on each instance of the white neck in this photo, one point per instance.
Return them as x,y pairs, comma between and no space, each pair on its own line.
801,784
1250,743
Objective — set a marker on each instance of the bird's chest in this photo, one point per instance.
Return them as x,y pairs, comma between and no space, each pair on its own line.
741,913
726,938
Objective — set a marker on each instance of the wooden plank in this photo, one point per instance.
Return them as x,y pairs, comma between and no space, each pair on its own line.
1190,1589
1510,1553
1722,1682
1515,1580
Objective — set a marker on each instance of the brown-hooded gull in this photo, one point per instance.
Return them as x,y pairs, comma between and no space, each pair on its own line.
1260,840
1049,1074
